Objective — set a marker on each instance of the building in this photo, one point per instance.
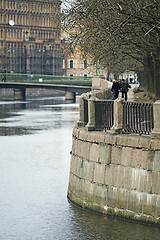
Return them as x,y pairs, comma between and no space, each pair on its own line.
130,76
30,36
76,66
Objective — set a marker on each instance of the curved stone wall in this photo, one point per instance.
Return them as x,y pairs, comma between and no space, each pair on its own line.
116,174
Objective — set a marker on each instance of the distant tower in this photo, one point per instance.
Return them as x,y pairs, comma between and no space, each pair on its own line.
30,36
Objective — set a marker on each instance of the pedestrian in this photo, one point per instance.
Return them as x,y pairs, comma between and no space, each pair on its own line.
115,89
4,75
124,88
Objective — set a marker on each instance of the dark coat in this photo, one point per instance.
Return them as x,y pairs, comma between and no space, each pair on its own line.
124,86
115,86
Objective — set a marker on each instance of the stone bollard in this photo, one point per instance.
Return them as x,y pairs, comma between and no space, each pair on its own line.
91,114
156,113
81,111
118,116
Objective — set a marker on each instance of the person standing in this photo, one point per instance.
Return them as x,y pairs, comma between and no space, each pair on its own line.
124,88
4,75
115,89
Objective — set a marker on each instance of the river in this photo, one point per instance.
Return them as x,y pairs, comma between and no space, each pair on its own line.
35,145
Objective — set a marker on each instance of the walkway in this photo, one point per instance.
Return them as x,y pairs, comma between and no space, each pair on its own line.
131,93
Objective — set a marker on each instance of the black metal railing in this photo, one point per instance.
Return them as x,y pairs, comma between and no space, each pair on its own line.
85,111
104,117
138,117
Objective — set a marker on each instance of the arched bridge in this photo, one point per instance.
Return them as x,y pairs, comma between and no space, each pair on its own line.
70,85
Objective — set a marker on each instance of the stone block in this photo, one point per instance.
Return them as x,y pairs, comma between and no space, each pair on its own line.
73,166
156,162
88,170
145,142
80,188
151,155
157,213
127,178
105,153
73,183
99,173
76,132
122,177
112,197
83,135
149,207
110,139
133,141
122,198
89,192
155,180
74,149
116,153
139,158
73,144
78,147
122,140
99,137
80,169
134,201
90,137
99,195
85,150
108,177
94,152
155,144
112,175
146,181
135,179
126,156
141,180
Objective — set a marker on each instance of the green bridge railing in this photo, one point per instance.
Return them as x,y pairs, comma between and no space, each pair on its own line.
45,79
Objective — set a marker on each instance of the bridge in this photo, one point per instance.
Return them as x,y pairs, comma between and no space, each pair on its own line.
70,85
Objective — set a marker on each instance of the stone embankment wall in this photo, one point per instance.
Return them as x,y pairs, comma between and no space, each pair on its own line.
8,93
116,174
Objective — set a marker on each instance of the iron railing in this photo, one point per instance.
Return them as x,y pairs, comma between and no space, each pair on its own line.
46,79
104,117
138,117
85,111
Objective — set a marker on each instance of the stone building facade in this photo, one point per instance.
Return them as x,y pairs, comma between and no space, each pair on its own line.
30,36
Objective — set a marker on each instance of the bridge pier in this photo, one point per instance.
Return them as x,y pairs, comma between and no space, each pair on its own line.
70,97
19,94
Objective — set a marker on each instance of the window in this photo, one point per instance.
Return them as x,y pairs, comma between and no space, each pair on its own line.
71,76
63,66
71,64
9,33
85,63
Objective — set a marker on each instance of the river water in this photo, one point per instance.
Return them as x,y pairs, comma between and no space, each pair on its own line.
35,145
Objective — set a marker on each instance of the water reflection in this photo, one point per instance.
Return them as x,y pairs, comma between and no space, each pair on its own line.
35,143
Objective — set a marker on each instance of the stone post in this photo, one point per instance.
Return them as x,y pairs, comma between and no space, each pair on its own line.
118,116
96,83
91,114
156,114
81,111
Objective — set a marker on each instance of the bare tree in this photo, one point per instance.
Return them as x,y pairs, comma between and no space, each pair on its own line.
119,35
